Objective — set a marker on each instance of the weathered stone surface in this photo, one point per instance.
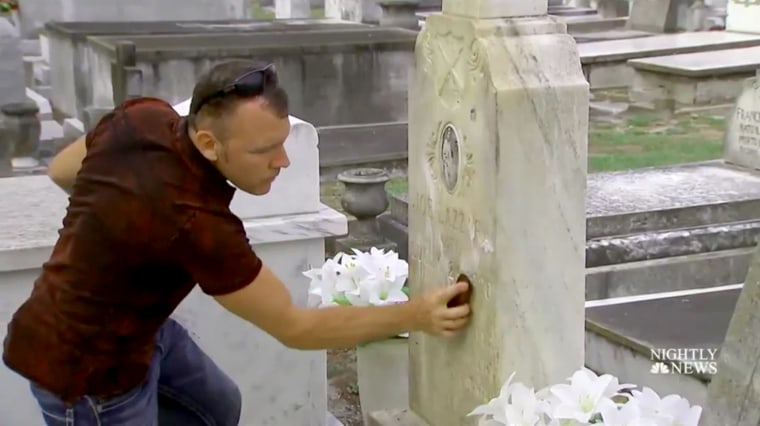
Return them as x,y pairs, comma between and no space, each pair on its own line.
72,80
332,77
657,16
498,118
742,145
734,392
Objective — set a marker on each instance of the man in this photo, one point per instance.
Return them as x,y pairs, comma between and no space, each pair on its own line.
149,219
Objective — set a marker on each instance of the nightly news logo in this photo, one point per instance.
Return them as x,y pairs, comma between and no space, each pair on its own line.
684,361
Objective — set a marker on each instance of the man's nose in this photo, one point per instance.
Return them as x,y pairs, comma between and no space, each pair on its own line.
282,161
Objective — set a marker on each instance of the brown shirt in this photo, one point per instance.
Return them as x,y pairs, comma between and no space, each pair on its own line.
148,219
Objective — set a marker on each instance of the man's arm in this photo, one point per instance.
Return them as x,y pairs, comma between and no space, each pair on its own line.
64,167
213,247
266,303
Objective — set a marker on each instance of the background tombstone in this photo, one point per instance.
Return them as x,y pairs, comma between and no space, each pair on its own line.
734,392
743,16
742,146
498,133
285,9
657,16
12,79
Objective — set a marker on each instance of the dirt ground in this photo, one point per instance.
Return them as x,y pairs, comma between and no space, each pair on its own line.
342,390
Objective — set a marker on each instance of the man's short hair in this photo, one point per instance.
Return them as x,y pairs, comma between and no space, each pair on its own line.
209,102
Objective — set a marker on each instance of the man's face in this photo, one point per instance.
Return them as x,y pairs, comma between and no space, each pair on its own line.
253,152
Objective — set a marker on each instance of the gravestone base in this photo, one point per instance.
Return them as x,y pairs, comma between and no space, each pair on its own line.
403,417
363,235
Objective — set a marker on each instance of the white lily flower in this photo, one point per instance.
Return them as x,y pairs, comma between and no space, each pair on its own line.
580,400
627,414
586,400
323,280
672,410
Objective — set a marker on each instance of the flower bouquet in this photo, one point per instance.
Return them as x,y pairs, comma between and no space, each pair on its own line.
377,277
588,399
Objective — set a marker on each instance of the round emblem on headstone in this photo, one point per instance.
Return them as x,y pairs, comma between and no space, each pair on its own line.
450,156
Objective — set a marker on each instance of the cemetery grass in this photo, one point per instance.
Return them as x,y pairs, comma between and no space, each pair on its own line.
636,141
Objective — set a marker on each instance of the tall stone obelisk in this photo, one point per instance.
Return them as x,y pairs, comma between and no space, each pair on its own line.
498,134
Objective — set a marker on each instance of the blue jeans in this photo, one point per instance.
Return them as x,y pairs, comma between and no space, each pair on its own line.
183,387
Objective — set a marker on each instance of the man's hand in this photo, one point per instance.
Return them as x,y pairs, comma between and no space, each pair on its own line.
435,315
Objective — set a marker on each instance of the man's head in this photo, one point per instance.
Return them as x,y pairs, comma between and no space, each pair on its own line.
238,120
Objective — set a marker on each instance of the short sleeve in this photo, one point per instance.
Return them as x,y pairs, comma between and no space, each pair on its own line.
213,247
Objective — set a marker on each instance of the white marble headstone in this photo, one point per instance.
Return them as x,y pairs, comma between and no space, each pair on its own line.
743,16
296,189
742,144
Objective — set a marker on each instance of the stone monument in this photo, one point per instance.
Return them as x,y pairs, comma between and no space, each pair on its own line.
742,146
743,16
12,80
657,16
287,9
734,391
498,134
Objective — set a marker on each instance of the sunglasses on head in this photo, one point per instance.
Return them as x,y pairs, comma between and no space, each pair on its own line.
251,83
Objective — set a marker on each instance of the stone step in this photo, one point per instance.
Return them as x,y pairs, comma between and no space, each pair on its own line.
670,243
625,337
679,273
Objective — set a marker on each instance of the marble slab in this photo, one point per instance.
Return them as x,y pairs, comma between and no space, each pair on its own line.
703,64
666,44
34,210
684,320
660,188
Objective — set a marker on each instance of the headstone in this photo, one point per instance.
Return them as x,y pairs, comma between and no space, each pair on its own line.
497,174
742,144
734,391
366,11
657,16
743,16
285,9
12,78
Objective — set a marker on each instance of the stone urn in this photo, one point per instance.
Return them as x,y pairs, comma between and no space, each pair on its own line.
364,197
382,370
21,130
399,13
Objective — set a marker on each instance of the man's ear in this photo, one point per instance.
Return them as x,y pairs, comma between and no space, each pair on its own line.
206,143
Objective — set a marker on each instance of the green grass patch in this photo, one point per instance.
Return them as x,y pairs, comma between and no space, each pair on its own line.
647,141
